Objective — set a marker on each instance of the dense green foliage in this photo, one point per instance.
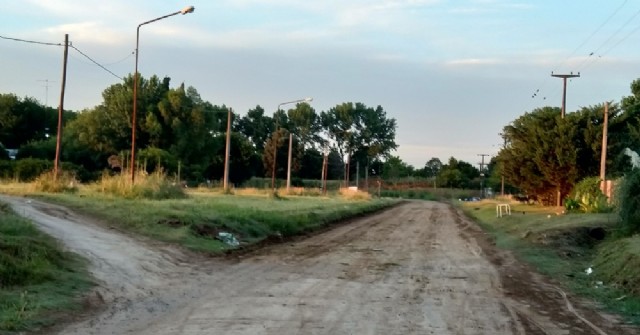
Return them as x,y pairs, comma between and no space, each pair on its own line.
587,197
545,155
186,135
629,203
36,276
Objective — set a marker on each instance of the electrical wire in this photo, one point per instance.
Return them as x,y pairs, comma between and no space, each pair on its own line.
29,41
581,67
94,62
71,46
122,60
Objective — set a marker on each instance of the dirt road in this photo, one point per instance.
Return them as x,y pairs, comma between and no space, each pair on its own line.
419,268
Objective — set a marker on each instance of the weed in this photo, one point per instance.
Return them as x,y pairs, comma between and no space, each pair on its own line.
65,182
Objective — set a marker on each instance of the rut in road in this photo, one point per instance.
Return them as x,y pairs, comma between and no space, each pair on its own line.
414,269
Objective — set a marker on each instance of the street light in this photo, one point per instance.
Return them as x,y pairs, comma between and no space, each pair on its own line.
276,139
183,11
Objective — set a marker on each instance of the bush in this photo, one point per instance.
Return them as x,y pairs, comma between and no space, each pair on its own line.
66,182
147,186
588,198
29,169
629,203
4,155
7,169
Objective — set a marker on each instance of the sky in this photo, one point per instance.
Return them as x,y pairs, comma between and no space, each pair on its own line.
452,73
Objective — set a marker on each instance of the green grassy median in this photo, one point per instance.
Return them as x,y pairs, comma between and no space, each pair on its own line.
195,221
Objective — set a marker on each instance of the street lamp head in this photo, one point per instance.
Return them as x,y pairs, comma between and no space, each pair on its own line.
187,10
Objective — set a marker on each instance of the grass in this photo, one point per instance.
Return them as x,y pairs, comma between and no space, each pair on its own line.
560,246
38,280
195,221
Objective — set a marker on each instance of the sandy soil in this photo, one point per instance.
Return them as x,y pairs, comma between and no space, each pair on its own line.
418,268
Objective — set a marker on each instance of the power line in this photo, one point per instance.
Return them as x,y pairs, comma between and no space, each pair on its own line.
597,30
596,52
94,62
122,60
580,67
29,41
70,45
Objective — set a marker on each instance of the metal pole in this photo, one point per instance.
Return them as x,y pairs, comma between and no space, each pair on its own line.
289,162
135,108
61,107
186,10
275,147
276,139
227,151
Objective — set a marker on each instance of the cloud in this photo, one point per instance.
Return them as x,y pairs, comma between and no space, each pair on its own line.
89,31
474,62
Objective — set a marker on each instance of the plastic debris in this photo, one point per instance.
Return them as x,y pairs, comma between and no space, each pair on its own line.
588,271
228,238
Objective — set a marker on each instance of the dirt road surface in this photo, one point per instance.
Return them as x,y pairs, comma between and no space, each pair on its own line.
418,268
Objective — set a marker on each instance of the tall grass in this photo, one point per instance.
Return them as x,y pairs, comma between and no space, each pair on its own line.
147,186
37,278
47,182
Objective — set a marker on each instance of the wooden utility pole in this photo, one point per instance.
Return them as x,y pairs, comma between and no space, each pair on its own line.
564,88
56,163
225,182
603,155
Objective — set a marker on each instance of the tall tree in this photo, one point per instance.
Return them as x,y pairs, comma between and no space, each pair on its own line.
256,126
540,156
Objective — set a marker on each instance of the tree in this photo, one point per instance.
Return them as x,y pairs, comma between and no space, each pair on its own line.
540,156
431,168
359,131
26,120
395,168
256,126
458,174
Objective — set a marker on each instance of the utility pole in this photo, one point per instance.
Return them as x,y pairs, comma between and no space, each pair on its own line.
225,183
61,107
289,162
603,156
46,90
482,174
564,88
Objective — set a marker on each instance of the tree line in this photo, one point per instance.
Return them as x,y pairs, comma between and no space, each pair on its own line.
178,130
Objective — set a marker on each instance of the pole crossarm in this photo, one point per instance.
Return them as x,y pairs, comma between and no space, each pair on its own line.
564,88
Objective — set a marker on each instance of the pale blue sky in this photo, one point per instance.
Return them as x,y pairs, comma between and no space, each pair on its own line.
452,73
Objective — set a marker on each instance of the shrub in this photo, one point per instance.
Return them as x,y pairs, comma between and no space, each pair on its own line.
29,169
629,202
66,182
147,186
588,197
354,195
7,169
